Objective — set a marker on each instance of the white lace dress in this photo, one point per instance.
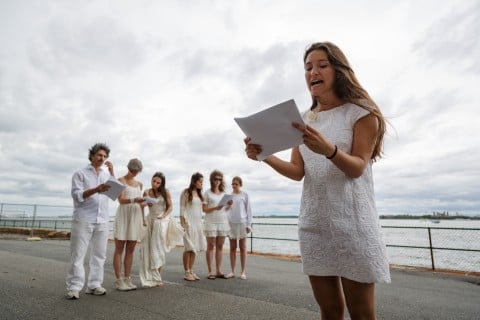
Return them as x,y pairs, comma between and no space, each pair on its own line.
194,238
339,229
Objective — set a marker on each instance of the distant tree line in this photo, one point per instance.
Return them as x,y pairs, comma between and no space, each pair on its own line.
445,215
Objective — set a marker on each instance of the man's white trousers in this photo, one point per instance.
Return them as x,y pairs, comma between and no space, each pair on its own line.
82,235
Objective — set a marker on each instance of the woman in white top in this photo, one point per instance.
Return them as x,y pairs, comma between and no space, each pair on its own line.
154,245
216,225
240,219
128,227
191,220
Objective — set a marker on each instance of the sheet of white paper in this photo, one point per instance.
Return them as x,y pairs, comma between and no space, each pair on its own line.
225,199
116,187
272,128
150,200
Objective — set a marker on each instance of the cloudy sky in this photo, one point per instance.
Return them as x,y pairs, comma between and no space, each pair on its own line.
162,80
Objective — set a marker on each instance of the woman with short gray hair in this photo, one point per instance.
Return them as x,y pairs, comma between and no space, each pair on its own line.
129,222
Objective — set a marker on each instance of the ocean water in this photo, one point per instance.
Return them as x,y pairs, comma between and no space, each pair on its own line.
408,241
454,235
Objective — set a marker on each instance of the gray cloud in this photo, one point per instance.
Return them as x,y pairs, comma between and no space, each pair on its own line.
69,47
452,41
153,87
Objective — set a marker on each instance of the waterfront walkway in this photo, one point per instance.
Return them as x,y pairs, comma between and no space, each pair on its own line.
32,277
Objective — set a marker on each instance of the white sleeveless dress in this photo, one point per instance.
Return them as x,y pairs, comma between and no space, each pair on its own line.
156,243
339,229
128,218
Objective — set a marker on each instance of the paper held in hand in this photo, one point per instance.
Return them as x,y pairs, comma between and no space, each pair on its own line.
116,187
272,128
225,199
150,200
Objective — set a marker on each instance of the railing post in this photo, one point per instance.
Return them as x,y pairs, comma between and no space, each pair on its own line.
1,211
431,249
251,241
33,219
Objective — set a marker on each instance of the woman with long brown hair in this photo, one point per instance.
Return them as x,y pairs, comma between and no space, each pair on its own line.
155,243
342,249
191,214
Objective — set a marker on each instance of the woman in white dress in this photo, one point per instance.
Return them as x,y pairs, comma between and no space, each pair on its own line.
191,214
240,220
216,225
342,249
128,227
154,244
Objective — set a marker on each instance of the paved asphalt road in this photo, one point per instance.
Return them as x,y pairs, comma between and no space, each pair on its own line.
32,286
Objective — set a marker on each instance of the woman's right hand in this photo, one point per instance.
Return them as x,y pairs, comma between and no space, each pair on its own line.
252,150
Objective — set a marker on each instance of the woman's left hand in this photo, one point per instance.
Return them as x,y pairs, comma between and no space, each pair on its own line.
314,140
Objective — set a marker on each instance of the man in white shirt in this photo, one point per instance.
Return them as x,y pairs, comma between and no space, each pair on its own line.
90,223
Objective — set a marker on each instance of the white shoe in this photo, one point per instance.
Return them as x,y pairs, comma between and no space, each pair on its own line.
120,285
72,295
129,284
99,291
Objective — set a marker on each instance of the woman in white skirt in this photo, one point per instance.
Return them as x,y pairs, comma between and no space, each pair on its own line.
240,219
128,227
216,225
191,214
156,241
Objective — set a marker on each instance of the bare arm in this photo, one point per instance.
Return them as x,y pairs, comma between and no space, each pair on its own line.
208,209
364,138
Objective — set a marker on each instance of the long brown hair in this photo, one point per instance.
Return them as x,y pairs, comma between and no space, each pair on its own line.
195,177
348,88
161,189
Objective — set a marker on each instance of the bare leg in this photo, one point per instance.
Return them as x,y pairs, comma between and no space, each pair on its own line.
233,254
219,253
243,254
360,298
130,249
117,257
186,260
209,253
329,296
192,260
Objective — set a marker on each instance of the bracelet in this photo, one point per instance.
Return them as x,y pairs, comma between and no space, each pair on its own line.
334,153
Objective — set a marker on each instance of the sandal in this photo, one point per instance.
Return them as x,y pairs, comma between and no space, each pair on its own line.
188,276
195,276
230,275
211,277
221,276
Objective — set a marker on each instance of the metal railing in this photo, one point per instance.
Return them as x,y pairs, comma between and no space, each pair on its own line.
425,242
459,248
